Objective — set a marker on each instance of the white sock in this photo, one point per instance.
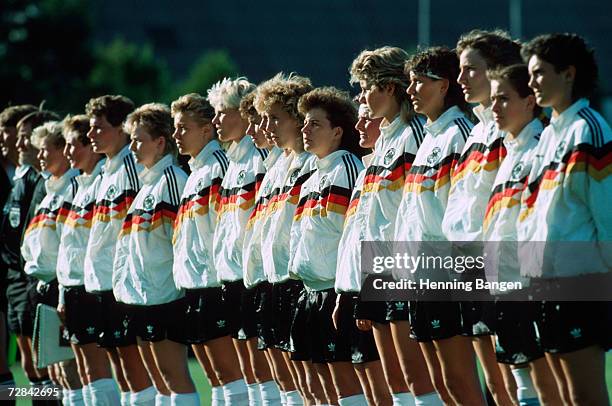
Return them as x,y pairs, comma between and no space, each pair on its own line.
145,397
126,398
217,398
403,399
270,395
254,394
428,399
104,392
235,393
283,398
65,399
75,397
162,400
294,398
355,400
86,395
525,390
186,399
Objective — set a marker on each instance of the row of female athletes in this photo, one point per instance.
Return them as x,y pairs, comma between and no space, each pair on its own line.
253,259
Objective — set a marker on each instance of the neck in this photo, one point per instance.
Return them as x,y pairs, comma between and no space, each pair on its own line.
485,103
563,105
90,166
433,116
514,133
390,115
114,152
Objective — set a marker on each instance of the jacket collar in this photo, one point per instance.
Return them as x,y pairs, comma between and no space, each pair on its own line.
484,114
113,164
59,184
443,121
325,163
86,180
150,175
238,150
198,162
531,130
568,116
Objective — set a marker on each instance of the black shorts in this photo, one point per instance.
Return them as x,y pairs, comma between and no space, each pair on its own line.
204,315
111,321
434,320
232,300
516,335
21,294
156,322
264,315
352,344
477,318
397,311
248,317
79,326
285,297
313,335
374,311
572,326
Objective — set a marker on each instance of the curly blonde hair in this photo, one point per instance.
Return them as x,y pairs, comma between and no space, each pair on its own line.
381,67
227,93
51,130
285,90
157,121
195,106
247,108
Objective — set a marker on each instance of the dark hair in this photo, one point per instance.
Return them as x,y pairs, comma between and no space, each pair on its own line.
114,108
37,118
10,116
78,124
444,63
340,111
496,47
518,77
563,51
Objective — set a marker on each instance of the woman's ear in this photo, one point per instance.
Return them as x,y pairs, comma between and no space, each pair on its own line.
444,85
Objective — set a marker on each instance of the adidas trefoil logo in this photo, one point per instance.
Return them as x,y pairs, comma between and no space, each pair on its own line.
117,334
400,305
91,330
576,333
220,323
149,329
331,347
357,357
435,323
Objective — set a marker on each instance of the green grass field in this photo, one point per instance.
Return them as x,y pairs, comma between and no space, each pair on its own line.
204,389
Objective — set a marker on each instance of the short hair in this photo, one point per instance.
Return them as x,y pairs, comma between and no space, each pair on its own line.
37,118
51,130
518,77
115,108
285,90
76,127
563,51
227,93
340,111
195,106
381,67
496,47
444,63
247,108
156,119
10,116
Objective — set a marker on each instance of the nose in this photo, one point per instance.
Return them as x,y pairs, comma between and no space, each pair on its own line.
532,82
20,142
360,126
176,134
40,155
461,77
90,133
269,126
306,128
215,120
411,88
133,145
67,151
362,98
495,106
251,129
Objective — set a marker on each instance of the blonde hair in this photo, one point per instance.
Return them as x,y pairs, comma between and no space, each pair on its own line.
51,130
285,90
247,108
227,93
381,67
195,106
157,120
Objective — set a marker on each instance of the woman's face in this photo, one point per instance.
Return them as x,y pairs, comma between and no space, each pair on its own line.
511,112
320,138
283,128
147,150
190,135
427,95
369,129
229,124
380,100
